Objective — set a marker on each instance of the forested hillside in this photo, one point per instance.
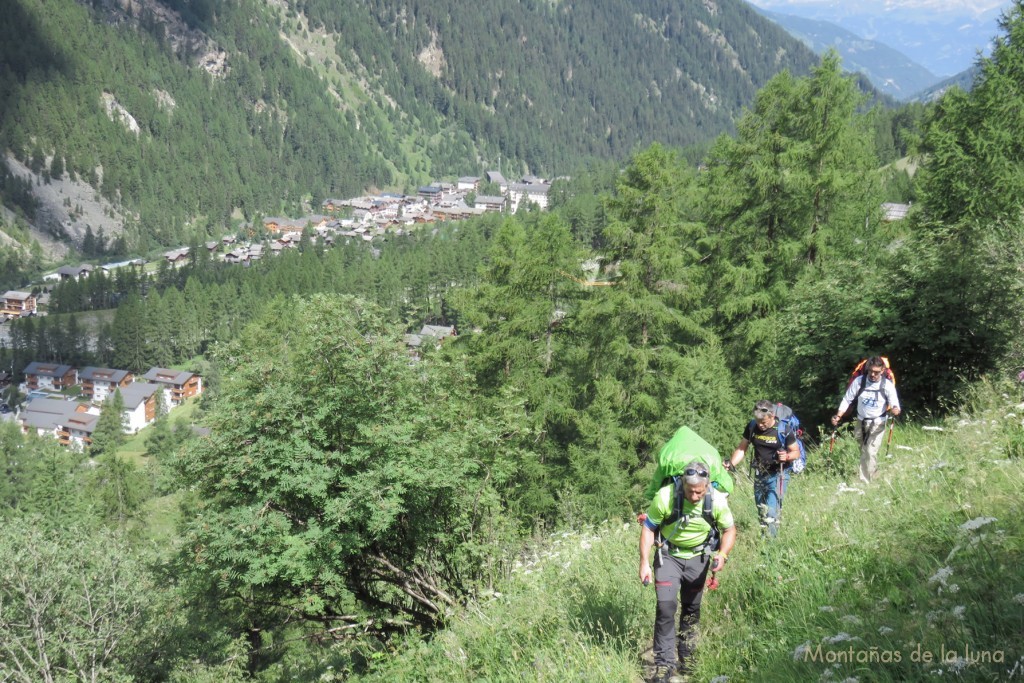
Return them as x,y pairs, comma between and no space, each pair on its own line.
333,502
191,112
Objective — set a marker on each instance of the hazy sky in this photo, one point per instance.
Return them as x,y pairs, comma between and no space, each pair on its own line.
967,6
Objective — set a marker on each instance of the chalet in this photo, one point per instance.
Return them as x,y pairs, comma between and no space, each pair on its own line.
72,424
256,252
139,405
489,202
273,224
430,336
177,257
332,205
277,225
49,376
455,213
44,418
76,430
98,383
227,240
17,304
178,385
468,183
74,272
892,211
429,191
212,246
240,255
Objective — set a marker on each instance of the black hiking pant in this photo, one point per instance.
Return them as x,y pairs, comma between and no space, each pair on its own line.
678,581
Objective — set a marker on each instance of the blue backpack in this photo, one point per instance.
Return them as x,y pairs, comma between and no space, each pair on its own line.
789,423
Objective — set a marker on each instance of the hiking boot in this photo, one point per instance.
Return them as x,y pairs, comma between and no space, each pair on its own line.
682,673
663,674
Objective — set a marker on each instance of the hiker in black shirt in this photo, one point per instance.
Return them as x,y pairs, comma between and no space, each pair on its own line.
773,462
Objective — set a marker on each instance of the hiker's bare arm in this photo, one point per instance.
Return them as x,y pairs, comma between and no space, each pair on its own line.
792,453
728,539
737,455
646,542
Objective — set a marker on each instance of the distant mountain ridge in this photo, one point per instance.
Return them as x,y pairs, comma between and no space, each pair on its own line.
889,70
943,36
196,112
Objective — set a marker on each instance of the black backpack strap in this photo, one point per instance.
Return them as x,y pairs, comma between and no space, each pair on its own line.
709,512
713,540
677,504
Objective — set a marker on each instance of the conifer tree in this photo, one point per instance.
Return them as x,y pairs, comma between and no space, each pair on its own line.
128,335
783,195
108,434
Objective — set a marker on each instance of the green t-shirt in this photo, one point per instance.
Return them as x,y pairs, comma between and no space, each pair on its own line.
686,540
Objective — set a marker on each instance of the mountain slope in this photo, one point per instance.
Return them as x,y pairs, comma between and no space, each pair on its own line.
889,70
925,560
189,112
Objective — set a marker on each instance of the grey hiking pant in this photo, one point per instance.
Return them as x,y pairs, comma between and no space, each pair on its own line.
682,579
869,434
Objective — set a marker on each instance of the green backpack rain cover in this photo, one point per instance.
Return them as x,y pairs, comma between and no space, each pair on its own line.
684,447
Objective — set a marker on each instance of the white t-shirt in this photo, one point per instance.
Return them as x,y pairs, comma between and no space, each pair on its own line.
873,401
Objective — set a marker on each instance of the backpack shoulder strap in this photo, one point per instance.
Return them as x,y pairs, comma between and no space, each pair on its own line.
709,512
677,503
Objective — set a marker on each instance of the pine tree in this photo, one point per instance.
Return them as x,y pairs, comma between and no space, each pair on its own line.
128,335
109,434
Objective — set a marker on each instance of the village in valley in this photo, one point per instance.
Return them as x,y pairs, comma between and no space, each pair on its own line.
64,402
371,218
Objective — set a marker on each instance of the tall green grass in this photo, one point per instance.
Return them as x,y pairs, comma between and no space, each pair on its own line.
919,576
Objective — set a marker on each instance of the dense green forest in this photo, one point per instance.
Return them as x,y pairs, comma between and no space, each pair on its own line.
320,100
348,500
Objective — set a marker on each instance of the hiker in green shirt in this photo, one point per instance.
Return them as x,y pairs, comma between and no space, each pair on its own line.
693,533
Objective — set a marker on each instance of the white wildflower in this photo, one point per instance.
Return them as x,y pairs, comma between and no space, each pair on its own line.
953,588
958,611
851,679
941,576
976,523
851,619
1019,598
957,665
884,630
840,638
585,545
720,679
826,608
843,488
802,651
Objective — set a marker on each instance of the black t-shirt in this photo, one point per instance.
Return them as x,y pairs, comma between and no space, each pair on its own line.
766,442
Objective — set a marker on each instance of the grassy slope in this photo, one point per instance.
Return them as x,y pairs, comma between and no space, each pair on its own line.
928,559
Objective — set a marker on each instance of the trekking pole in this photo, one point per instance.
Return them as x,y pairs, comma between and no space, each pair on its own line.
892,423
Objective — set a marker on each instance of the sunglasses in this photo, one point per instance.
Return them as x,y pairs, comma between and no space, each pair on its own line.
690,472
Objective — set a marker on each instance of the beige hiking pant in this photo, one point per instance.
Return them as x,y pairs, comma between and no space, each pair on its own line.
869,434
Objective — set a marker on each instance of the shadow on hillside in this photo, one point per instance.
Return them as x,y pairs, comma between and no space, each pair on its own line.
27,57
